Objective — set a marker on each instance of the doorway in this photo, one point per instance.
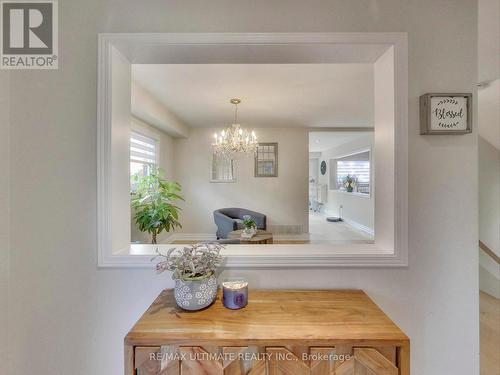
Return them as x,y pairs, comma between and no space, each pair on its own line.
341,203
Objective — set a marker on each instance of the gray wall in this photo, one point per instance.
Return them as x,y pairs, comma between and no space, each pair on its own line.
4,210
70,317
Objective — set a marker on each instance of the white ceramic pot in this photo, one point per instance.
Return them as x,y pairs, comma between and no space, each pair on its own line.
250,231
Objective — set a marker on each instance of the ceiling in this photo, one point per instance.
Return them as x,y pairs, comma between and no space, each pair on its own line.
325,140
273,95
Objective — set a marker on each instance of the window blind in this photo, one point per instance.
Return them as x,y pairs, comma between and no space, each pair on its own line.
142,149
357,166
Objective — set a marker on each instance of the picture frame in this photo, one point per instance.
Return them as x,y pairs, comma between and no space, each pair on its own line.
445,113
266,160
222,169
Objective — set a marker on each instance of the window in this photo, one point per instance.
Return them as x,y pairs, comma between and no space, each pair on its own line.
143,156
357,166
222,169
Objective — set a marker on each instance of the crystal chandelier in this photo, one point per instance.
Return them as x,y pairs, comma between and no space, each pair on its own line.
235,140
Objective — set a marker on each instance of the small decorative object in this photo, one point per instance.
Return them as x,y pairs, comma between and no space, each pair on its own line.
235,140
446,114
266,160
323,167
250,226
349,183
194,271
234,293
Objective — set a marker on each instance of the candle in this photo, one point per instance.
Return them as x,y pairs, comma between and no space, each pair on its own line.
234,294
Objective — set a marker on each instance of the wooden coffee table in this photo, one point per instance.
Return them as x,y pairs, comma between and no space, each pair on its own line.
261,237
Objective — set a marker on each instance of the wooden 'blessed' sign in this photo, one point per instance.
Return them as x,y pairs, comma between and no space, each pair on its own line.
445,113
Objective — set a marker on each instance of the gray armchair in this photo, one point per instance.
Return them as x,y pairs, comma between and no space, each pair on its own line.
231,219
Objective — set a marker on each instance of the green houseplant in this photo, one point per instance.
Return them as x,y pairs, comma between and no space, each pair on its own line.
194,271
250,225
153,205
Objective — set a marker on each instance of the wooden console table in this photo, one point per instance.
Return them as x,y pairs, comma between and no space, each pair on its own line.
280,332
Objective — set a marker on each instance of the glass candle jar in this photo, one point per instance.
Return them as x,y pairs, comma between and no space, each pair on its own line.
234,293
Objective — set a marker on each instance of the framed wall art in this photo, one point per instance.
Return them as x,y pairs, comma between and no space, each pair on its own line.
266,160
446,114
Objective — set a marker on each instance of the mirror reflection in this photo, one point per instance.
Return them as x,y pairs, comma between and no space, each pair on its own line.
252,153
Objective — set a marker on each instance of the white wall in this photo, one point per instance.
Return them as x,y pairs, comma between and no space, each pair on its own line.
489,275
488,37
355,208
72,317
192,171
384,135
314,166
489,195
166,163
488,110
147,108
489,215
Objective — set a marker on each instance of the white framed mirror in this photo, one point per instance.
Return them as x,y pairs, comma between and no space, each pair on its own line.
334,104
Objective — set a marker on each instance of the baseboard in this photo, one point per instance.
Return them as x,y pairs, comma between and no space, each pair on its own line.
292,237
279,237
190,236
286,229
352,223
359,226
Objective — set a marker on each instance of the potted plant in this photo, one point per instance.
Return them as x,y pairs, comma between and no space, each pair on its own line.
349,183
249,225
194,271
153,204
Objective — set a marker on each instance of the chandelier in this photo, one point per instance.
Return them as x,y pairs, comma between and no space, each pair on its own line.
235,139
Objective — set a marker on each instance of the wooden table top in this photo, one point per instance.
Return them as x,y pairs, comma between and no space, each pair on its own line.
279,316
261,235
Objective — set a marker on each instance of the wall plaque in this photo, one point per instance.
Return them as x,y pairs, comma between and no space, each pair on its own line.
446,114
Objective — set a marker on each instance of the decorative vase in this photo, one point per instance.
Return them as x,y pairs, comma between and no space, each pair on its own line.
349,189
195,294
250,231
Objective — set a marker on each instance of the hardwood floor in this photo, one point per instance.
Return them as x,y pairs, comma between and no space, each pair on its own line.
489,331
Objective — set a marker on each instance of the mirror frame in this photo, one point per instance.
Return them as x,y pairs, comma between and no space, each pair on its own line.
258,256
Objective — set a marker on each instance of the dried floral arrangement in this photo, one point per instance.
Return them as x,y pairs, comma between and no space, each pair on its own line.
350,182
194,262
